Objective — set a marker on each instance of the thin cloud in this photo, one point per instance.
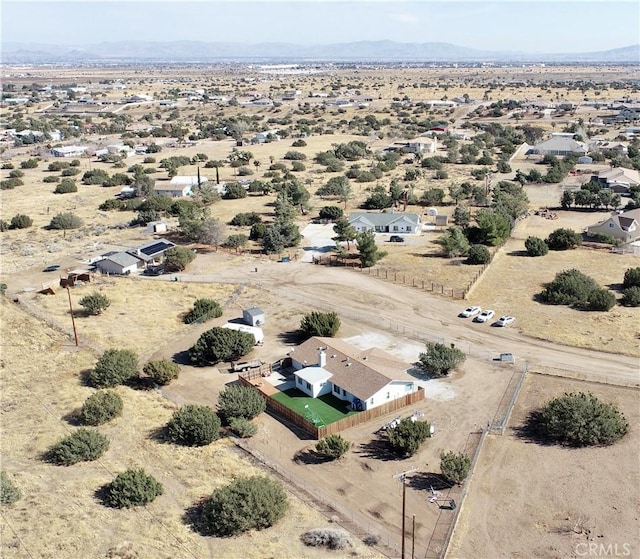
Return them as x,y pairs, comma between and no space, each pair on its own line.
405,18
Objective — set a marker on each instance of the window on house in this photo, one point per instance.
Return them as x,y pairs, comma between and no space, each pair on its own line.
308,386
395,227
388,395
336,389
299,380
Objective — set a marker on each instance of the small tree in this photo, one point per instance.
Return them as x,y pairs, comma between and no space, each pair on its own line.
240,401
455,467
478,254
563,239
66,186
631,278
242,427
221,344
65,221
368,250
114,367
233,191
601,300
194,425
569,287
324,324
536,246
439,359
253,503
176,259
20,221
29,164
82,445
331,213
95,303
333,446
9,492
203,310
237,241
631,296
578,419
132,488
101,407
408,435
453,242
162,371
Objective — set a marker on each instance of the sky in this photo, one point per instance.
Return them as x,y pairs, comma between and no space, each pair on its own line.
538,27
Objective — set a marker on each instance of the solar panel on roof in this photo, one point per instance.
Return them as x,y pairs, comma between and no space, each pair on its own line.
155,248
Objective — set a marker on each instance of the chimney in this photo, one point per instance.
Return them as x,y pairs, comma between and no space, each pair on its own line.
322,358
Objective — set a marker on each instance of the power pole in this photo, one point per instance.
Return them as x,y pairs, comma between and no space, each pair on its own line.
73,320
402,476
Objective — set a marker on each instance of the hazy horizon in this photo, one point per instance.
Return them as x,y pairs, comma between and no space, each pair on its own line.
534,27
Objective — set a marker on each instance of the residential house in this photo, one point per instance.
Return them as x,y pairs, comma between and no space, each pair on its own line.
179,186
365,378
69,151
417,145
600,145
266,136
558,145
385,222
151,253
119,263
618,179
622,226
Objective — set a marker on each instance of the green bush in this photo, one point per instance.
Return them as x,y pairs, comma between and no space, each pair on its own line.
234,191
536,246
58,166
82,445
193,425
298,143
10,184
114,367
246,219
71,172
9,492
221,344
323,324
293,155
16,174
240,401
51,178
132,488
176,259
252,503
242,427
66,186
454,467
29,164
65,221
332,213
333,446
20,221
631,296
101,407
601,300
478,254
95,303
631,278
563,239
203,310
162,371
578,419
408,435
569,287
439,359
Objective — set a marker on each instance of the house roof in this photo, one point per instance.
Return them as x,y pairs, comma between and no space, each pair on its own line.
254,311
185,180
620,173
624,220
560,143
314,374
359,372
123,259
150,250
383,219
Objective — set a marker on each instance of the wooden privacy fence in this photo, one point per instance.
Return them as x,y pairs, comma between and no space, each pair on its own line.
319,432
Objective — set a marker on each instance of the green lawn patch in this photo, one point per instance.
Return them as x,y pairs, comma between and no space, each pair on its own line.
327,408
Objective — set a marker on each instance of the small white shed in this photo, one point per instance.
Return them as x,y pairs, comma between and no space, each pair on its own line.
257,333
253,316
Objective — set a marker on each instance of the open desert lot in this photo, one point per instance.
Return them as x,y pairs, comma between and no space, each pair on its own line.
528,500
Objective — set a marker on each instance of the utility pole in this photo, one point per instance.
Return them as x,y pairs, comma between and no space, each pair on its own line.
402,476
73,320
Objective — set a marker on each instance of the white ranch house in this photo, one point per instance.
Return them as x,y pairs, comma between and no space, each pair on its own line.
386,222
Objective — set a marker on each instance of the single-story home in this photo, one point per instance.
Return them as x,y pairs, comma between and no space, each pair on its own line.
151,253
119,263
618,179
622,226
253,316
559,145
69,151
417,145
365,378
385,222
165,188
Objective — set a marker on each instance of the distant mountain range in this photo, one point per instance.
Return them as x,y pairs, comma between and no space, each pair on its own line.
362,51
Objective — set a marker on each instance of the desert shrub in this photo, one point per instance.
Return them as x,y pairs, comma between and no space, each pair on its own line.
631,296
298,166
240,401
242,427
114,367
578,419
4,225
66,186
601,300
9,492
631,278
132,488
246,219
51,178
10,184
162,371
563,239
193,425
252,503
65,221
326,537
536,246
7,166
20,221
406,437
323,324
569,287
176,259
71,172
258,231
332,213
233,191
82,445
58,165
333,446
101,407
16,174
439,359
454,467
203,310
95,303
221,344
478,254
244,172
293,155
29,164
298,143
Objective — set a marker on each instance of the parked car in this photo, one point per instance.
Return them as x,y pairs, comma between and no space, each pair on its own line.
470,311
485,315
52,268
396,239
505,321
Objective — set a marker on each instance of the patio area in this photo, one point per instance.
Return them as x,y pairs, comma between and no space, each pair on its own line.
324,410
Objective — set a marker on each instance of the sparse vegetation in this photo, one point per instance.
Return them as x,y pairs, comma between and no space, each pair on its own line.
95,303
203,310
333,446
330,538
455,467
240,402
65,221
242,427
193,425
114,367
408,435
101,407
323,324
82,445
439,359
9,491
162,371
132,488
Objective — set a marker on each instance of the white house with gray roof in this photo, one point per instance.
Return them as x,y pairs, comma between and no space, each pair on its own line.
119,263
386,222
559,145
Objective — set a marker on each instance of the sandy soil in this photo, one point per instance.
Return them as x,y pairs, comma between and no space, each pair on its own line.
516,510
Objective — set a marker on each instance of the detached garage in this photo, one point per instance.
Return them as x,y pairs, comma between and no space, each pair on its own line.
118,263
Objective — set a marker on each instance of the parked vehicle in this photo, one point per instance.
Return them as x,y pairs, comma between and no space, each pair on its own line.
246,365
470,311
485,315
505,321
396,239
52,268
506,358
